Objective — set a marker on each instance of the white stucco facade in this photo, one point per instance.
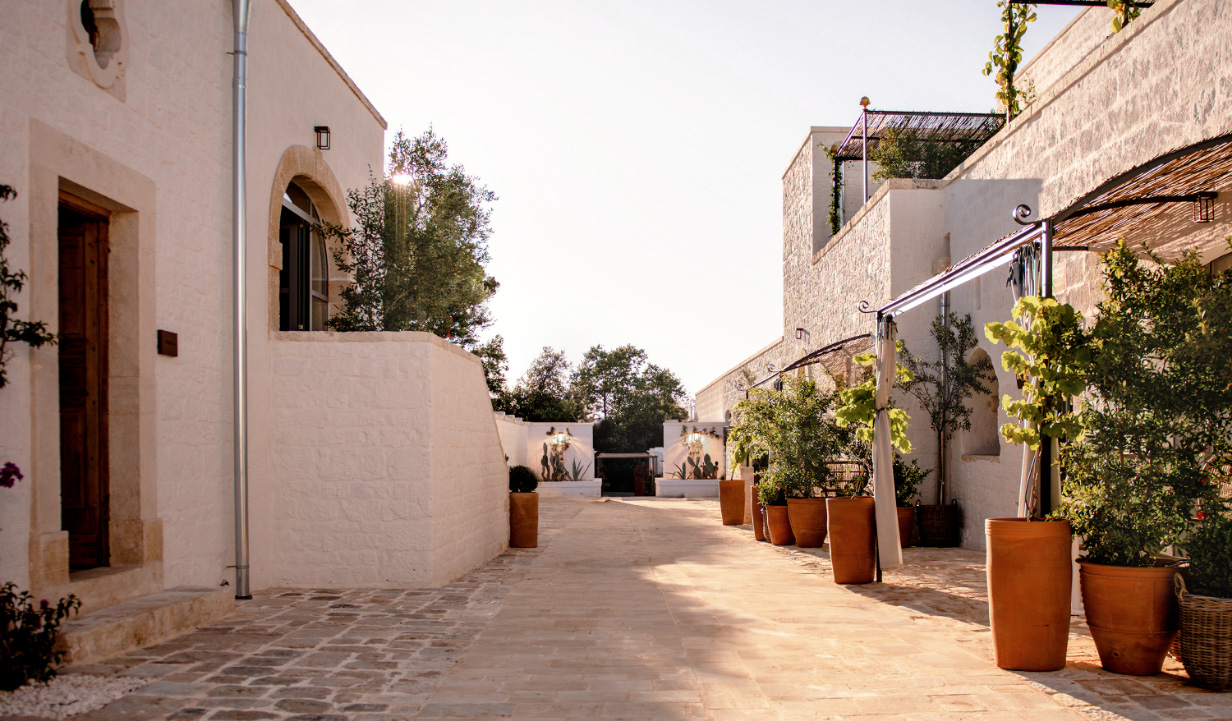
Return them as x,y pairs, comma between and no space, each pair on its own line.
360,474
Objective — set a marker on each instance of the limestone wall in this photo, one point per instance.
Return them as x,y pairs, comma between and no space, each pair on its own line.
386,463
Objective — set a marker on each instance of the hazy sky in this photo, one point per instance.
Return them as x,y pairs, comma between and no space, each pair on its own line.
637,146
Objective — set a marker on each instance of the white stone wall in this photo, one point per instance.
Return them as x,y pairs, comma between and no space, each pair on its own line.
581,449
170,125
676,452
512,431
387,468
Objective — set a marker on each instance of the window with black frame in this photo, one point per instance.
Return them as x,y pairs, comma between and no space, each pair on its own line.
303,287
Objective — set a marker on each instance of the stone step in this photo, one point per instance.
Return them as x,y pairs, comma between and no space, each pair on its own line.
144,621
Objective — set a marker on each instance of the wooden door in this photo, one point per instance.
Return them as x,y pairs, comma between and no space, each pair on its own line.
84,486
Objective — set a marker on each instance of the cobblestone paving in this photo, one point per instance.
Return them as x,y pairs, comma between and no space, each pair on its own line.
636,609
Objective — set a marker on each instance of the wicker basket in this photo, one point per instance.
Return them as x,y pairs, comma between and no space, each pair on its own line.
1205,641
940,526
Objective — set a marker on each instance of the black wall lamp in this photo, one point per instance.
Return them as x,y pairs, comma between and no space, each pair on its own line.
800,333
322,132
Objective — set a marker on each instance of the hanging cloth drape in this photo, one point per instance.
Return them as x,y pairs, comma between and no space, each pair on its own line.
1024,277
891,553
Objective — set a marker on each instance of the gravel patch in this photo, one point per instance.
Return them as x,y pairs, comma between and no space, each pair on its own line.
67,696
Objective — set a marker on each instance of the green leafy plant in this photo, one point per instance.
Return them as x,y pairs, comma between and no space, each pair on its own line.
28,635
12,329
1125,10
796,429
1050,354
1157,421
835,215
770,493
943,386
577,470
901,153
1006,55
858,405
681,471
522,480
1209,545
907,479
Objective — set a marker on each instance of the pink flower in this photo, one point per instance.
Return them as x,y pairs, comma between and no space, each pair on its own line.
1201,515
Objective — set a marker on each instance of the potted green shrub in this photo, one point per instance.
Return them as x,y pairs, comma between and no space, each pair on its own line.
1155,418
943,387
523,508
774,504
907,480
1029,559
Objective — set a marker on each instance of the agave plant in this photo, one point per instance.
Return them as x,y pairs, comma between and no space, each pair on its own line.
681,471
576,471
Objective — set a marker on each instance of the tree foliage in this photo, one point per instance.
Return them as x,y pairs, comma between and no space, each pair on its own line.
495,363
629,396
418,253
543,392
858,405
13,329
901,153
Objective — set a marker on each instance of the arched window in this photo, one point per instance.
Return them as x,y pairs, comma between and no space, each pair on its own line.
984,438
303,287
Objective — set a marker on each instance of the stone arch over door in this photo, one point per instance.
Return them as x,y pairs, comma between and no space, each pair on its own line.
306,167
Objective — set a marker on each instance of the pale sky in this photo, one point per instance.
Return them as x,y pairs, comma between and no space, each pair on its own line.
637,146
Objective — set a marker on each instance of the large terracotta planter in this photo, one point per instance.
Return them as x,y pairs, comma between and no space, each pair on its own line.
778,526
852,544
1030,575
731,502
523,520
759,528
906,522
808,521
1132,613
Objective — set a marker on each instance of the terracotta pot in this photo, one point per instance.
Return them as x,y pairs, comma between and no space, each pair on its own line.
852,542
808,521
731,502
1030,575
1132,613
778,526
759,529
906,523
523,520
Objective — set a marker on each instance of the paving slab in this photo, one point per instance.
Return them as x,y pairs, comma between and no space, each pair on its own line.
635,609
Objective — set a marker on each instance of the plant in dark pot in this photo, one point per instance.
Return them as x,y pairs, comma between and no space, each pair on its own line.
942,387
1205,641
1029,560
523,508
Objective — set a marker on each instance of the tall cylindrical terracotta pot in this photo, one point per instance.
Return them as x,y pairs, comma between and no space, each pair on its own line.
759,529
1030,575
1132,613
731,502
808,521
523,520
906,522
778,526
852,544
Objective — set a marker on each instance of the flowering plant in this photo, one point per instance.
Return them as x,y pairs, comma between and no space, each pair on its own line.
28,637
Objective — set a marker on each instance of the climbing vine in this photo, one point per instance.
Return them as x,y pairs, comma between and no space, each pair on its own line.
836,190
1125,10
1006,55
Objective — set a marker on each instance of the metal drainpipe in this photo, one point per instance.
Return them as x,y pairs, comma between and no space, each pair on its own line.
240,332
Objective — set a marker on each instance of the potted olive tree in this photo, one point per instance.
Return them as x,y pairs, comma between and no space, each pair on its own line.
523,508
1155,421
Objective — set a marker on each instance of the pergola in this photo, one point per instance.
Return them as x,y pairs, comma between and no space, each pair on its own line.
1143,200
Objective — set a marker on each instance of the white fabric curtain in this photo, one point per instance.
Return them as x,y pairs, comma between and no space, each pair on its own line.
1024,277
891,553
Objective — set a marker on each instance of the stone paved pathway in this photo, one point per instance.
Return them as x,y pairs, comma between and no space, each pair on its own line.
636,609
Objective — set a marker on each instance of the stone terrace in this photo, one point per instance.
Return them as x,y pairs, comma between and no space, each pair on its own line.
638,609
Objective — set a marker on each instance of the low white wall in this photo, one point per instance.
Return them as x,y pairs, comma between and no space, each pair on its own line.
581,448
675,451
387,464
512,432
676,488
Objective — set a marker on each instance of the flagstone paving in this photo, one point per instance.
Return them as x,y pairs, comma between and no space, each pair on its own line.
635,609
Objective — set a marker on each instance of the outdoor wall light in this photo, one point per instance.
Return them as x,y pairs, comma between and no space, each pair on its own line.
322,132
800,333
1204,208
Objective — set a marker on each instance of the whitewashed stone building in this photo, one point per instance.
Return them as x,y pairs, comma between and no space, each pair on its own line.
373,459
1111,111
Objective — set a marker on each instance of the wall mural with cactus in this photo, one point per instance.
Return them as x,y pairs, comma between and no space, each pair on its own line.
698,463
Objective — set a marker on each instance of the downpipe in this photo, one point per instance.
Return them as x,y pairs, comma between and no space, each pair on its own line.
240,332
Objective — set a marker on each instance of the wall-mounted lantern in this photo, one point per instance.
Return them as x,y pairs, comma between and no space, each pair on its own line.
1204,207
322,132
